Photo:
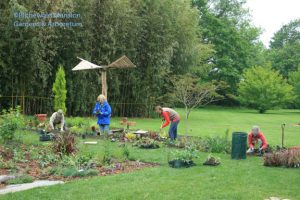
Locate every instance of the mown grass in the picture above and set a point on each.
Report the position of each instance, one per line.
(215, 121)
(233, 179)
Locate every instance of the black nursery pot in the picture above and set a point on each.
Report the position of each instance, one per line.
(45, 137)
(41, 132)
(149, 146)
(181, 164)
(83, 136)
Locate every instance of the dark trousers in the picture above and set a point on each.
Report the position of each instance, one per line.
(173, 130)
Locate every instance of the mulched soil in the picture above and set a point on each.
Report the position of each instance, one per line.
(33, 169)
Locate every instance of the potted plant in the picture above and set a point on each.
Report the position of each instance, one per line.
(147, 143)
(41, 117)
(183, 158)
(212, 161)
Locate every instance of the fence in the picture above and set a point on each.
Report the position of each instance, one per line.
(31, 105)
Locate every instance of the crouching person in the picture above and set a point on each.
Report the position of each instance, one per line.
(57, 118)
(256, 141)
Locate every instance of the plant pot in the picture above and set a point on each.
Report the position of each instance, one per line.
(124, 119)
(41, 132)
(45, 137)
(149, 146)
(83, 136)
(212, 162)
(41, 117)
(181, 163)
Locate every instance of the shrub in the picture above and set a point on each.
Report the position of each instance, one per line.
(287, 158)
(264, 89)
(11, 120)
(21, 179)
(218, 144)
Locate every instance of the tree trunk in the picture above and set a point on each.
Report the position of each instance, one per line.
(186, 121)
(187, 113)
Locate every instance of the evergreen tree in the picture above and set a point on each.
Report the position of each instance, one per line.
(60, 91)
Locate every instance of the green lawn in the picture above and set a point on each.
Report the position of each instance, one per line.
(215, 121)
(233, 179)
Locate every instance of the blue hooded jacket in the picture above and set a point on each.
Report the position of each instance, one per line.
(103, 112)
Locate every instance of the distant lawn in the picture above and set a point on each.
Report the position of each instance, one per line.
(215, 121)
(232, 180)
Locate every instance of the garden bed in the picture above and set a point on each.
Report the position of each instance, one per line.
(33, 169)
(44, 163)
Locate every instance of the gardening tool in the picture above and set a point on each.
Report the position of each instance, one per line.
(282, 134)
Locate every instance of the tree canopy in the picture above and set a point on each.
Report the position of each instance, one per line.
(211, 39)
(263, 89)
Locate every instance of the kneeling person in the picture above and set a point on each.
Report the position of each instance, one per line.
(256, 138)
(57, 118)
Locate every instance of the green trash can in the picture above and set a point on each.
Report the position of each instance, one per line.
(239, 145)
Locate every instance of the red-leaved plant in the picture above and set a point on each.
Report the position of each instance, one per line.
(64, 143)
(287, 158)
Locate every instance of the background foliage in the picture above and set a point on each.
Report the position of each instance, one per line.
(214, 40)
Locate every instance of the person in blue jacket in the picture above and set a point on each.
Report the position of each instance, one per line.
(103, 111)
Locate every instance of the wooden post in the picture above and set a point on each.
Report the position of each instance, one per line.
(104, 83)
(282, 135)
(23, 104)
